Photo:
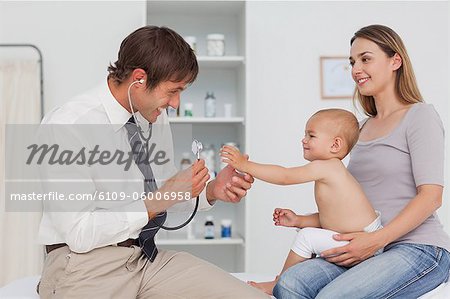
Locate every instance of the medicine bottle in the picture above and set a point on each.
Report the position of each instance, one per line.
(225, 228)
(209, 227)
(188, 109)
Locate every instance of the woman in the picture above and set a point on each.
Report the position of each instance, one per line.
(399, 161)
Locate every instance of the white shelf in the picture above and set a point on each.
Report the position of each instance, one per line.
(220, 61)
(224, 241)
(206, 120)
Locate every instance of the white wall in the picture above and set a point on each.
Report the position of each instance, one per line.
(78, 39)
(284, 42)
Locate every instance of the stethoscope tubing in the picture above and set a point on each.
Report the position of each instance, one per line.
(145, 140)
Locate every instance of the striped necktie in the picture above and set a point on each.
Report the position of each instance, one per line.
(141, 157)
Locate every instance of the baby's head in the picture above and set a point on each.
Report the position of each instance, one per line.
(330, 133)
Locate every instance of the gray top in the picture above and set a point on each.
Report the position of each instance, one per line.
(391, 167)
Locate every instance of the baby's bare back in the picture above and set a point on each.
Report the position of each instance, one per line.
(343, 206)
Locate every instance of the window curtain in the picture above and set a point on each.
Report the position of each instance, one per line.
(20, 253)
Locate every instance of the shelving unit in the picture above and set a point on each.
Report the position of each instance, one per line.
(226, 77)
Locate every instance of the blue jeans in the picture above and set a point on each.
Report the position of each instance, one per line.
(402, 271)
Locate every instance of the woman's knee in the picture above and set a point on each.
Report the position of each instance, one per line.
(289, 285)
(305, 279)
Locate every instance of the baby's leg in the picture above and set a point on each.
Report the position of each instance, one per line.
(291, 260)
(309, 241)
(267, 286)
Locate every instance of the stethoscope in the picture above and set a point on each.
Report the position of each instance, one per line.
(197, 147)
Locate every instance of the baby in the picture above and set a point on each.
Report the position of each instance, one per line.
(343, 207)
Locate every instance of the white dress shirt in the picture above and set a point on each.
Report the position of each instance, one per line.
(85, 225)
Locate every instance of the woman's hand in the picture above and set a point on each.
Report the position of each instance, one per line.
(362, 246)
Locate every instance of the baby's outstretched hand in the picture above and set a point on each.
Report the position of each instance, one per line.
(232, 156)
(284, 217)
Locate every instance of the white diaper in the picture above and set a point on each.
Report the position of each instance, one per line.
(375, 225)
(313, 240)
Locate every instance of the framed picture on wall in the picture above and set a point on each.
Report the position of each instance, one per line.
(336, 78)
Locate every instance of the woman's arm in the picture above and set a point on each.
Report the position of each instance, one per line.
(364, 245)
(273, 173)
(426, 202)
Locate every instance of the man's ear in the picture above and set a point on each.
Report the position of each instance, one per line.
(138, 75)
(396, 62)
(338, 144)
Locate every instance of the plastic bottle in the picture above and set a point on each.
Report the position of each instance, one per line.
(188, 109)
(209, 227)
(225, 228)
(210, 105)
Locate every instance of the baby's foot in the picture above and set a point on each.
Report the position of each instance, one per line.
(266, 286)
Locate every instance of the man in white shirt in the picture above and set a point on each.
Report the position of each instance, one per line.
(96, 248)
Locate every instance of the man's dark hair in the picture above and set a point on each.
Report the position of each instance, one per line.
(161, 52)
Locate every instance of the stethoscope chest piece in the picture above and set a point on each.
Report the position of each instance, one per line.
(197, 147)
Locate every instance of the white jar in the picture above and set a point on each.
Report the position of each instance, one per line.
(216, 44)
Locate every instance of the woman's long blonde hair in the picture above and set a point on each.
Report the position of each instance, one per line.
(405, 82)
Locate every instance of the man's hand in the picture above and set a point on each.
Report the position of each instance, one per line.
(232, 156)
(285, 217)
(229, 186)
(185, 185)
(362, 246)
(191, 180)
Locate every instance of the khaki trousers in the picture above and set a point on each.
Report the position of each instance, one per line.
(124, 272)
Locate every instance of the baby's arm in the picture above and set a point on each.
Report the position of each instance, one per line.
(286, 217)
(273, 173)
